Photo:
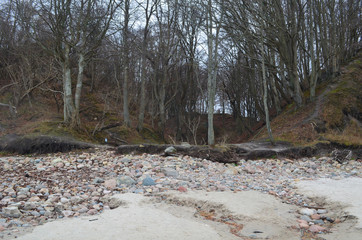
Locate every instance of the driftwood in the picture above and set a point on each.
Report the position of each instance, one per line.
(212, 154)
(235, 152)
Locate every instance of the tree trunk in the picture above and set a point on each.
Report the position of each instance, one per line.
(126, 118)
(141, 115)
(78, 90)
(161, 101)
(313, 75)
(265, 96)
(67, 88)
(211, 71)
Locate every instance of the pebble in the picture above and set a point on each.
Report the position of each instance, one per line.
(316, 229)
(303, 224)
(92, 212)
(305, 218)
(169, 172)
(114, 203)
(182, 189)
(307, 211)
(322, 211)
(320, 222)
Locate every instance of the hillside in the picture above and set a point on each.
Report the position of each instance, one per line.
(335, 116)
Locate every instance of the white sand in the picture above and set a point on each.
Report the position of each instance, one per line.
(144, 218)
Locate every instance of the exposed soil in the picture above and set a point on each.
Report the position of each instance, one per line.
(233, 153)
(40, 144)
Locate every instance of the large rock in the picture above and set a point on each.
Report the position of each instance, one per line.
(148, 182)
(11, 212)
(125, 180)
(170, 150)
(169, 172)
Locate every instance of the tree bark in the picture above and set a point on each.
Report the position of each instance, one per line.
(265, 95)
(67, 88)
(126, 117)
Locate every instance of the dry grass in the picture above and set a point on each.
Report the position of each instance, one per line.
(339, 114)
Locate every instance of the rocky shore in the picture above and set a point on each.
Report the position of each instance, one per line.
(37, 189)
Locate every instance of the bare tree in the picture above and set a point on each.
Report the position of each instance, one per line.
(213, 26)
(149, 10)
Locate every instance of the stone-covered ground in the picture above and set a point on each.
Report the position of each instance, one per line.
(37, 189)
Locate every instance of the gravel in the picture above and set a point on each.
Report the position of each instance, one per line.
(37, 189)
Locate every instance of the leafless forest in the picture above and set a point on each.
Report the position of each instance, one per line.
(162, 59)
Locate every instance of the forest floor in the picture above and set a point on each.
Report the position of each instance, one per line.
(335, 116)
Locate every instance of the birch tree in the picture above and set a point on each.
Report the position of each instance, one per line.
(149, 10)
(213, 26)
(72, 26)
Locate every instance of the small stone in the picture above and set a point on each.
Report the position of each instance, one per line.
(322, 211)
(92, 212)
(21, 197)
(110, 183)
(2, 228)
(115, 203)
(319, 222)
(35, 213)
(76, 200)
(139, 191)
(316, 229)
(305, 218)
(148, 182)
(56, 161)
(249, 169)
(307, 211)
(125, 160)
(231, 171)
(98, 180)
(80, 166)
(30, 205)
(182, 189)
(47, 213)
(34, 199)
(96, 207)
(169, 172)
(59, 207)
(83, 210)
(315, 216)
(303, 224)
(59, 165)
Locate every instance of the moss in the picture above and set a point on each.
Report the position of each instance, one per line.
(58, 129)
(222, 147)
(5, 154)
